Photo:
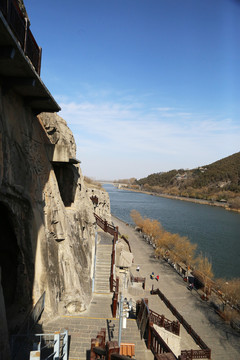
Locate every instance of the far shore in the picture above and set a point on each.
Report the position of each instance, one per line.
(182, 198)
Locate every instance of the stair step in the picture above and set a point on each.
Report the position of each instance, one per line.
(103, 271)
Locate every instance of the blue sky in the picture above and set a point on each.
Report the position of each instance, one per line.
(144, 85)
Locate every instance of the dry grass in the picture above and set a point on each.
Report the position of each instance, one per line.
(91, 183)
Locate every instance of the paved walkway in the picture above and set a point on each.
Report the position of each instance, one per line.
(219, 337)
(223, 341)
(85, 326)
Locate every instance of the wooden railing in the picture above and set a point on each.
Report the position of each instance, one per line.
(138, 279)
(205, 352)
(195, 354)
(127, 242)
(155, 318)
(156, 343)
(112, 230)
(145, 324)
(162, 321)
(115, 297)
(20, 27)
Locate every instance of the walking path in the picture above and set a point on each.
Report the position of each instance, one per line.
(85, 326)
(219, 337)
(223, 341)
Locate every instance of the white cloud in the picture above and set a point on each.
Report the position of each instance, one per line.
(144, 140)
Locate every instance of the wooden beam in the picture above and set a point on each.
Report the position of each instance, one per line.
(20, 81)
(33, 99)
(7, 52)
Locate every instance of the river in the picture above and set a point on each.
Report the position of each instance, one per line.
(215, 230)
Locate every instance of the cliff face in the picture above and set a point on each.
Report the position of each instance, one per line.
(47, 235)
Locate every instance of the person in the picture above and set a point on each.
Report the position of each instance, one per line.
(152, 276)
(138, 268)
(190, 286)
(157, 277)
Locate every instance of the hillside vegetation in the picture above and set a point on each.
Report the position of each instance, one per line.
(219, 181)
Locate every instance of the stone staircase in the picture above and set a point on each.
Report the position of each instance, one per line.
(103, 268)
(85, 326)
(82, 330)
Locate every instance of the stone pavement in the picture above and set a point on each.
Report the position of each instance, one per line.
(219, 337)
(86, 326)
(223, 341)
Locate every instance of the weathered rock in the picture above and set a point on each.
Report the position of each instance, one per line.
(58, 132)
(47, 234)
(103, 207)
(48, 231)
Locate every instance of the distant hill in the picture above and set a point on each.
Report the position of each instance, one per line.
(218, 181)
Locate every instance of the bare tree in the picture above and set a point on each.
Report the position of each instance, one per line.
(204, 267)
(137, 218)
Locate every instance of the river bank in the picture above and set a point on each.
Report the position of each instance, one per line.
(214, 230)
(219, 336)
(182, 198)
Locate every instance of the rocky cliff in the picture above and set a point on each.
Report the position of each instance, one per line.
(47, 234)
(48, 226)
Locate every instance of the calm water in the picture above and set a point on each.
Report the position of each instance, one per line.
(215, 230)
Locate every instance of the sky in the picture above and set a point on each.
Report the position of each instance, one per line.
(145, 85)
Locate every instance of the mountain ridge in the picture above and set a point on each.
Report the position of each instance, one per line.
(218, 181)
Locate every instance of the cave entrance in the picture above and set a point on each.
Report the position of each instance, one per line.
(9, 256)
(66, 174)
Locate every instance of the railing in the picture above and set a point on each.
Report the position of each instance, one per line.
(19, 340)
(105, 226)
(142, 313)
(162, 321)
(155, 318)
(145, 324)
(43, 346)
(127, 242)
(138, 279)
(50, 346)
(112, 230)
(115, 296)
(197, 354)
(155, 342)
(20, 26)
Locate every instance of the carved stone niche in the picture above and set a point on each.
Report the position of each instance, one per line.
(66, 173)
(67, 177)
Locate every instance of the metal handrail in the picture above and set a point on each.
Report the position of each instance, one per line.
(57, 343)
